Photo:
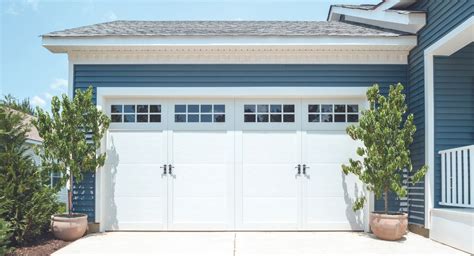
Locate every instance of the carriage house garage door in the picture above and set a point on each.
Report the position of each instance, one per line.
(230, 164)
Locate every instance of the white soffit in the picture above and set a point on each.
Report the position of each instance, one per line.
(233, 50)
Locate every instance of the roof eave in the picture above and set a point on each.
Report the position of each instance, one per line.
(66, 44)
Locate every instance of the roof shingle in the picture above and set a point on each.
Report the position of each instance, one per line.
(226, 28)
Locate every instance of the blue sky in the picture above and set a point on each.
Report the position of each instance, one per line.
(27, 70)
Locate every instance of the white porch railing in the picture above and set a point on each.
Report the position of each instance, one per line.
(457, 177)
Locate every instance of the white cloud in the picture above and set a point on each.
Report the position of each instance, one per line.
(33, 4)
(110, 16)
(12, 10)
(38, 101)
(17, 7)
(58, 84)
(48, 95)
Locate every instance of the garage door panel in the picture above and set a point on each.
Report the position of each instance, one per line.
(333, 212)
(329, 147)
(201, 187)
(200, 210)
(135, 188)
(270, 147)
(269, 210)
(269, 180)
(126, 178)
(142, 208)
(268, 189)
(328, 194)
(128, 147)
(189, 176)
(201, 147)
(329, 180)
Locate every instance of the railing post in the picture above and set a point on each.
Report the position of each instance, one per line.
(443, 177)
(465, 176)
(471, 181)
(448, 178)
(459, 176)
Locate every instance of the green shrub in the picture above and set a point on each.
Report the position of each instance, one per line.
(5, 234)
(26, 201)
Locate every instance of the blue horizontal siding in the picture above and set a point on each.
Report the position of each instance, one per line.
(454, 105)
(442, 17)
(230, 76)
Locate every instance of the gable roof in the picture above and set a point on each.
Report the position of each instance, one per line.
(226, 28)
(355, 6)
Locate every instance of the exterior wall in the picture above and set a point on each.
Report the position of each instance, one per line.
(227, 75)
(453, 106)
(442, 17)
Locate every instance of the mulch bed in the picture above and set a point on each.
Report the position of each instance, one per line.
(45, 245)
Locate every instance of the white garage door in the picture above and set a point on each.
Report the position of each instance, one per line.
(328, 194)
(201, 151)
(256, 164)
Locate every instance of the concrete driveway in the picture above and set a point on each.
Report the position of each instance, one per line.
(251, 243)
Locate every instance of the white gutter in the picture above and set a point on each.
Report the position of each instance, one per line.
(65, 44)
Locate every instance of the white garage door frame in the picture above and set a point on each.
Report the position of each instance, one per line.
(106, 94)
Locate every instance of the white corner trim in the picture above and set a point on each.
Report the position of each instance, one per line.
(70, 84)
(458, 38)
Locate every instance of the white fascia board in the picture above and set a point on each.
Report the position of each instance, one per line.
(231, 92)
(410, 28)
(405, 18)
(65, 44)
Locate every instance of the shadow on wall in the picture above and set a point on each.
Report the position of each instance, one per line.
(110, 172)
(356, 219)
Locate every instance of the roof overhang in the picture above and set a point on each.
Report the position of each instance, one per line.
(121, 43)
(384, 15)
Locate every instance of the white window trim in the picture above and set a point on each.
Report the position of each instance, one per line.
(455, 40)
(230, 92)
(321, 126)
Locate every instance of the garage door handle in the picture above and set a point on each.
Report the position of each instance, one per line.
(164, 169)
(299, 169)
(304, 169)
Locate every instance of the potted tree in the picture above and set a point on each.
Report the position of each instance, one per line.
(387, 134)
(72, 134)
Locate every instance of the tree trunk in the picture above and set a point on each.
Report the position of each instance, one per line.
(69, 194)
(386, 199)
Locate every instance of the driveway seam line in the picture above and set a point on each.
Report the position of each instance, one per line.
(235, 242)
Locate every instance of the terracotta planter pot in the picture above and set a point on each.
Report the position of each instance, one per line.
(69, 228)
(390, 227)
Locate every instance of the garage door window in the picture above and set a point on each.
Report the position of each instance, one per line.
(131, 113)
(199, 113)
(333, 113)
(273, 113)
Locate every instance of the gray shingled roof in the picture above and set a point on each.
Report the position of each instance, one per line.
(357, 6)
(225, 28)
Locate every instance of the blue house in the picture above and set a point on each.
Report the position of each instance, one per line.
(240, 125)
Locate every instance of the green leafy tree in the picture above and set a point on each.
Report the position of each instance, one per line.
(26, 201)
(13, 103)
(5, 233)
(71, 137)
(386, 135)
